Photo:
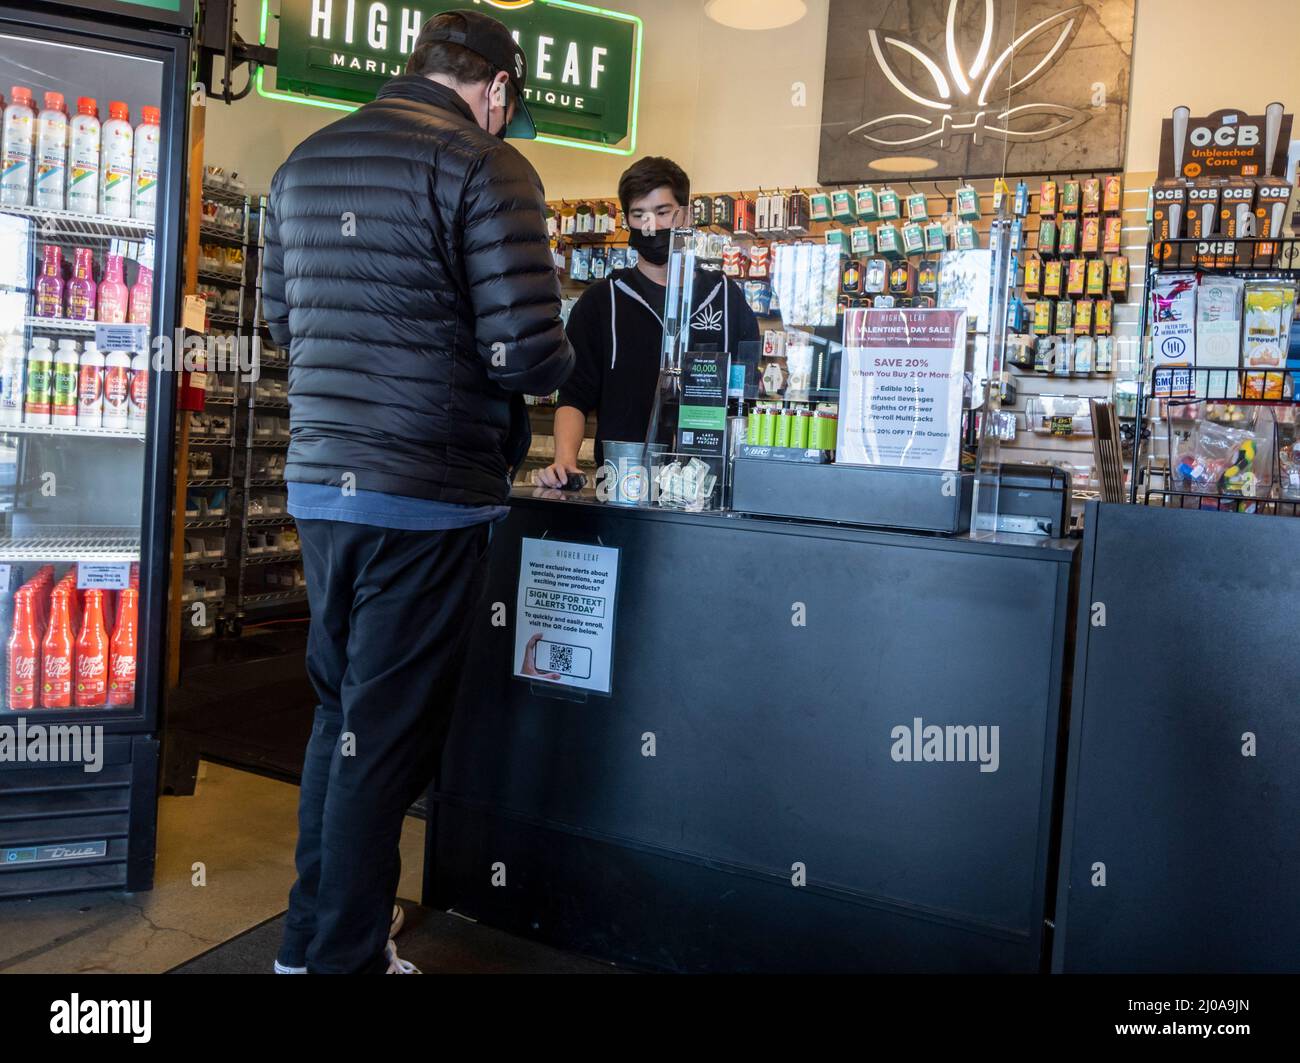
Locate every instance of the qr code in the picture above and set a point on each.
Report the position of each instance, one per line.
(561, 658)
(688, 439)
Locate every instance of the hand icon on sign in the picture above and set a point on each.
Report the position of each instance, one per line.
(529, 665)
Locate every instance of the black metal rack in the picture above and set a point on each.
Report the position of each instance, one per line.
(1260, 259)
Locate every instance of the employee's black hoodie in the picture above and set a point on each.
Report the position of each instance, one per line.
(617, 330)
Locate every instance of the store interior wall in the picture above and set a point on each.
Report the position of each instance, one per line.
(742, 108)
(705, 90)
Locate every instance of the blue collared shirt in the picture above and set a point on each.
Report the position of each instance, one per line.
(381, 510)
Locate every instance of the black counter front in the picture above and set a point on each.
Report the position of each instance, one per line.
(774, 827)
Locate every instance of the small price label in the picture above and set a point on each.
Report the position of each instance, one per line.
(1062, 426)
(121, 338)
(4, 577)
(103, 575)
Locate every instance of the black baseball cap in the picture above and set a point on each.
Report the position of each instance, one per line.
(483, 35)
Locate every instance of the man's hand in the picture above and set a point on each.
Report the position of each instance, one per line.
(556, 475)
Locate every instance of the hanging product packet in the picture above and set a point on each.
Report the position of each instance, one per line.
(1218, 332)
(1269, 308)
(1173, 330)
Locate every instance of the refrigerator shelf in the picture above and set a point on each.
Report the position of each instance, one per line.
(55, 223)
(83, 544)
(58, 430)
(283, 443)
(263, 522)
(198, 523)
(267, 481)
(210, 441)
(217, 481)
(209, 563)
(60, 326)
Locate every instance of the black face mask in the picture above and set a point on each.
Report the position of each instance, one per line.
(654, 247)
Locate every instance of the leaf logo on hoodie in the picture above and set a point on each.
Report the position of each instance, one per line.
(707, 320)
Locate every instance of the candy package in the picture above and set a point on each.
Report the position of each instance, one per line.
(1221, 460)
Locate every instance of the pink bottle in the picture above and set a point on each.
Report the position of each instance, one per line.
(112, 292)
(81, 289)
(141, 297)
(49, 287)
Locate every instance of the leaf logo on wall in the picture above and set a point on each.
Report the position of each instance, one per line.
(957, 99)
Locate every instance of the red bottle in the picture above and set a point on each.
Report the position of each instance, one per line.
(121, 682)
(58, 651)
(92, 654)
(24, 653)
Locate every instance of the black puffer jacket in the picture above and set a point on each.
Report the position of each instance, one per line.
(408, 272)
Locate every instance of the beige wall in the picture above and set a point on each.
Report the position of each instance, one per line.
(738, 108)
(1195, 52)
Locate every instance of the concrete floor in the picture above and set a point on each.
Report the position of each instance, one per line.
(240, 827)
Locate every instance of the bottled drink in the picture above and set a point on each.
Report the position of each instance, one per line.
(82, 287)
(148, 135)
(112, 291)
(117, 389)
(121, 680)
(24, 652)
(138, 403)
(92, 653)
(57, 653)
(51, 182)
(19, 147)
(83, 158)
(141, 297)
(115, 159)
(40, 382)
(90, 388)
(63, 391)
(13, 363)
(49, 286)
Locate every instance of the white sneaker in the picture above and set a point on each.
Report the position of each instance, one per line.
(397, 965)
(399, 918)
(282, 969)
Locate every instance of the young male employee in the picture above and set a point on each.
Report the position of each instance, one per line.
(617, 327)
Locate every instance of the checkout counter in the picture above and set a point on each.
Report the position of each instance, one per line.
(738, 801)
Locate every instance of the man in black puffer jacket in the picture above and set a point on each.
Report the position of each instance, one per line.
(407, 270)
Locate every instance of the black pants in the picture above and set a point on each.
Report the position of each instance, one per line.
(390, 612)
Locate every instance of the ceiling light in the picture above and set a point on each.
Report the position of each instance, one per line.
(904, 164)
(756, 14)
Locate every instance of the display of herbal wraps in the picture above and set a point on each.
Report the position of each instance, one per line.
(1173, 331)
(1266, 332)
(1218, 332)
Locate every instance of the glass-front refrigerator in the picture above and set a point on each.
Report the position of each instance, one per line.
(91, 198)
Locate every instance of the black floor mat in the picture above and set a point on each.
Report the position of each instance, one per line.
(436, 942)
